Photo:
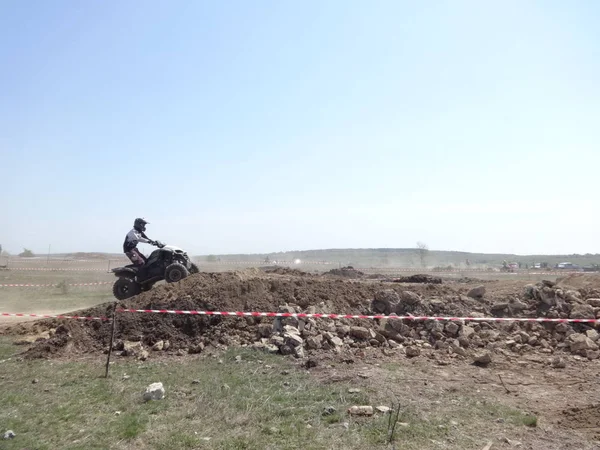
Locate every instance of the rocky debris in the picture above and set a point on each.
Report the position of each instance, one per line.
(383, 409)
(135, 349)
(360, 333)
(595, 302)
(482, 359)
(354, 391)
(10, 434)
(155, 391)
(360, 411)
(477, 292)
(593, 335)
(158, 346)
(410, 298)
(421, 278)
(329, 410)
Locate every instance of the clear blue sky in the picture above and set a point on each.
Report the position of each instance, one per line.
(259, 126)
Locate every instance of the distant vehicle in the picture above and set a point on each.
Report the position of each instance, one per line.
(567, 266)
(537, 266)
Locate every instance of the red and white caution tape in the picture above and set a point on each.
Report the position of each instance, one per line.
(52, 316)
(358, 316)
(56, 285)
(59, 269)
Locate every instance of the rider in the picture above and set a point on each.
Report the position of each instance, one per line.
(135, 236)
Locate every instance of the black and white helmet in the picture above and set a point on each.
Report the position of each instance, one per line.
(140, 224)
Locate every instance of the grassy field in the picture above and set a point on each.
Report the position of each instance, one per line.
(239, 400)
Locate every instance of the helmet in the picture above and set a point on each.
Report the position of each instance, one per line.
(140, 224)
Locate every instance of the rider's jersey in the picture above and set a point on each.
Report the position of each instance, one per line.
(133, 238)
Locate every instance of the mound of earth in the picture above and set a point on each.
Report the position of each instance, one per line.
(419, 278)
(346, 272)
(278, 270)
(250, 292)
(580, 281)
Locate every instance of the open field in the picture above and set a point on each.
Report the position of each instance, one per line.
(223, 391)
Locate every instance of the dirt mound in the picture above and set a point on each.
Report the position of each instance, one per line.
(259, 292)
(420, 278)
(586, 419)
(580, 281)
(278, 270)
(346, 272)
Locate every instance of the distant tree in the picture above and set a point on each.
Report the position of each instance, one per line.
(423, 253)
(211, 258)
(26, 253)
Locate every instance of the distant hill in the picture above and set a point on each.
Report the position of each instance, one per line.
(406, 257)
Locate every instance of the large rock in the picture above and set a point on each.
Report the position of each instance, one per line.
(335, 341)
(477, 292)
(467, 331)
(483, 359)
(293, 340)
(158, 346)
(410, 298)
(314, 342)
(452, 328)
(155, 391)
(582, 312)
(593, 335)
(580, 343)
(360, 332)
(385, 302)
(595, 302)
(360, 411)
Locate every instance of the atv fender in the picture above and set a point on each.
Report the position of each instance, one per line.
(124, 272)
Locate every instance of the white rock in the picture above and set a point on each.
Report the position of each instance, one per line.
(10, 434)
(360, 410)
(155, 391)
(383, 409)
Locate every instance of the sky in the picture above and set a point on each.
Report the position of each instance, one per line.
(264, 126)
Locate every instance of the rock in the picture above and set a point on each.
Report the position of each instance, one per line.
(195, 349)
(467, 331)
(158, 346)
(265, 330)
(558, 363)
(35, 381)
(547, 296)
(10, 434)
(360, 332)
(582, 312)
(293, 340)
(353, 391)
(385, 302)
(277, 341)
(343, 330)
(477, 292)
(562, 327)
(458, 350)
(360, 410)
(314, 342)
(383, 409)
(143, 356)
(155, 391)
(132, 349)
(412, 351)
(291, 330)
(299, 352)
(593, 335)
(452, 328)
(581, 343)
(180, 352)
(166, 345)
(329, 410)
(195, 381)
(592, 354)
(595, 302)
(483, 359)
(410, 298)
(393, 344)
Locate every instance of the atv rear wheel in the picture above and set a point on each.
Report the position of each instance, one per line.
(125, 288)
(175, 272)
(194, 268)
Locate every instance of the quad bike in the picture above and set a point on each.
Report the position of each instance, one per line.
(167, 263)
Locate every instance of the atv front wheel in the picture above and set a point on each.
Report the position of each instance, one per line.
(125, 288)
(175, 272)
(194, 268)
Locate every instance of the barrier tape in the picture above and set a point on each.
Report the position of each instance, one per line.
(51, 269)
(52, 316)
(55, 285)
(358, 316)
